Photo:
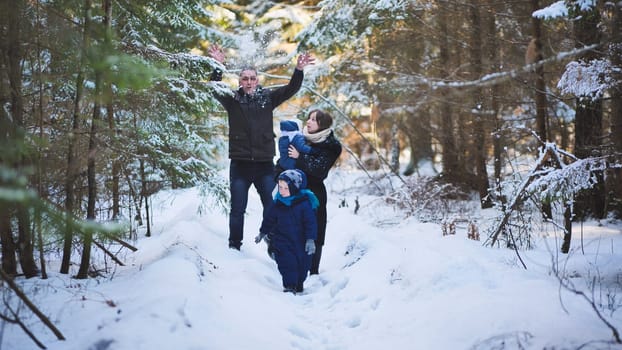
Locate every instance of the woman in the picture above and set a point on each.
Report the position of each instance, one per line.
(320, 136)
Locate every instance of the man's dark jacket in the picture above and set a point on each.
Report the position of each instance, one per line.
(251, 132)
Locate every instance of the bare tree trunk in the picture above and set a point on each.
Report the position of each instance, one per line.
(565, 248)
(419, 139)
(7, 137)
(25, 240)
(615, 55)
(479, 111)
(588, 120)
(411, 167)
(40, 171)
(463, 125)
(564, 133)
(148, 215)
(92, 187)
(534, 54)
(72, 161)
(25, 243)
(143, 194)
(116, 166)
(108, 95)
(39, 229)
(492, 49)
(72, 169)
(588, 135)
(91, 180)
(448, 143)
(136, 195)
(395, 148)
(38, 226)
(9, 262)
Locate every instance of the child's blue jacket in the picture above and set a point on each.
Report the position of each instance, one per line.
(289, 223)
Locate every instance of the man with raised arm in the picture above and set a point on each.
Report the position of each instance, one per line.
(251, 137)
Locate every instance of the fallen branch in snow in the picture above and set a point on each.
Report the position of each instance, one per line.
(519, 197)
(21, 325)
(567, 284)
(46, 321)
(123, 243)
(109, 253)
(553, 180)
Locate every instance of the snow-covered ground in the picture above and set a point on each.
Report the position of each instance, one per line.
(386, 282)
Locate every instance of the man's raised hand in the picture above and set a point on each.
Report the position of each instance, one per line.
(215, 52)
(304, 60)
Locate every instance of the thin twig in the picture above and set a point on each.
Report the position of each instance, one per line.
(109, 253)
(25, 329)
(516, 250)
(566, 285)
(380, 157)
(358, 161)
(30, 304)
(614, 331)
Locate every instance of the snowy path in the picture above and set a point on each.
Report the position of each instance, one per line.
(400, 286)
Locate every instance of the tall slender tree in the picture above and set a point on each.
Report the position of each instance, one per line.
(72, 163)
(615, 56)
(91, 157)
(450, 161)
(9, 143)
(533, 55)
(589, 111)
(491, 48)
(25, 241)
(479, 108)
(108, 95)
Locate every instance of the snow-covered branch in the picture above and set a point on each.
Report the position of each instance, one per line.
(564, 183)
(175, 60)
(497, 78)
(551, 179)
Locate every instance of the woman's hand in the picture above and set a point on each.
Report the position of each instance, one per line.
(292, 152)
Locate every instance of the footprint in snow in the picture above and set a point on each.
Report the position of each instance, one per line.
(271, 280)
(298, 332)
(338, 287)
(374, 305)
(323, 280)
(354, 322)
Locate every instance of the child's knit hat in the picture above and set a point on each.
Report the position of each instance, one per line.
(289, 125)
(296, 180)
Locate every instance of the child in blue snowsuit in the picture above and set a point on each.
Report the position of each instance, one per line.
(290, 229)
(290, 134)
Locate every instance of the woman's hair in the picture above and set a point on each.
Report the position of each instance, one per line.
(324, 120)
